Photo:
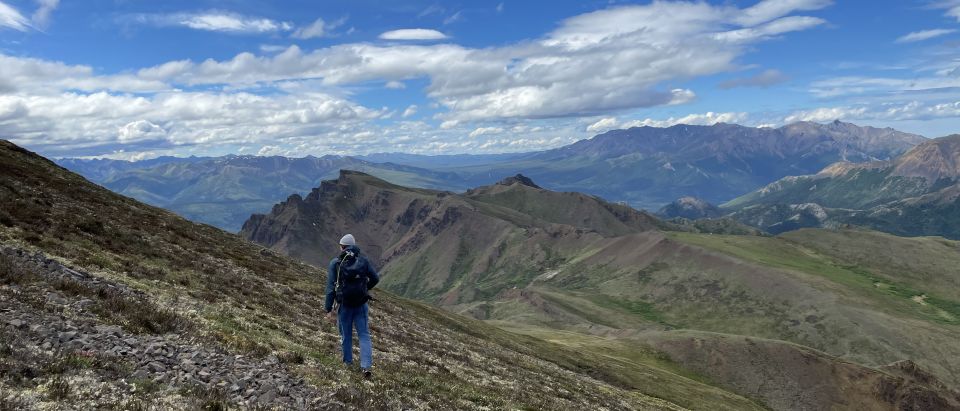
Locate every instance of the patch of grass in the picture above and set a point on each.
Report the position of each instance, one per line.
(208, 399)
(59, 388)
(145, 385)
(11, 273)
(641, 309)
(64, 362)
(291, 357)
(136, 316)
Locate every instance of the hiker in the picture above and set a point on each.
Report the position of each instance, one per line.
(349, 280)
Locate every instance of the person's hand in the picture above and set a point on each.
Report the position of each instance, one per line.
(332, 317)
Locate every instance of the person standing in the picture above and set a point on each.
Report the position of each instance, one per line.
(350, 277)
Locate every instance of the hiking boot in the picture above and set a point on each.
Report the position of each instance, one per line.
(367, 373)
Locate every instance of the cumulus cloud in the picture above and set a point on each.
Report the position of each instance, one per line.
(924, 35)
(704, 119)
(140, 130)
(413, 34)
(219, 21)
(11, 18)
(73, 121)
(763, 79)
(604, 124)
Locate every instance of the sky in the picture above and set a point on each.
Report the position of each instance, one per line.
(136, 79)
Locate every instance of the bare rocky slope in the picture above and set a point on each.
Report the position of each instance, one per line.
(575, 270)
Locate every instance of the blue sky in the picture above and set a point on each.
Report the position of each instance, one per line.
(138, 79)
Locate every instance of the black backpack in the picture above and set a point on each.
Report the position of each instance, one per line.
(351, 288)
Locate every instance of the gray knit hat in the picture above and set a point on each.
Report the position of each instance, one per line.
(348, 240)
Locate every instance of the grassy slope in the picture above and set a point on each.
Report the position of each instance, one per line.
(884, 312)
(255, 301)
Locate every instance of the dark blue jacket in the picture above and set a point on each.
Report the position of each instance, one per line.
(372, 277)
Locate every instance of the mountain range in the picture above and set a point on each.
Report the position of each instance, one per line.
(806, 320)
(914, 194)
(224, 191)
(645, 167)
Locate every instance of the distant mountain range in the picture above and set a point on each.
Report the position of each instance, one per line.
(915, 194)
(750, 312)
(224, 191)
(645, 167)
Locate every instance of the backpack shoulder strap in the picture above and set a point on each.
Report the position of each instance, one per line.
(343, 257)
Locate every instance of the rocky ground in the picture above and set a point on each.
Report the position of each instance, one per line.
(60, 353)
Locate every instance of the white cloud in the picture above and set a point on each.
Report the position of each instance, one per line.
(395, 85)
(898, 111)
(98, 121)
(318, 28)
(41, 17)
(140, 130)
(42, 77)
(219, 21)
(270, 151)
(410, 111)
(825, 114)
(768, 10)
(11, 18)
(413, 34)
(485, 130)
(704, 119)
(924, 35)
(602, 125)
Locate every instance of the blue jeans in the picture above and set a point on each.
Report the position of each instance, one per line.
(350, 317)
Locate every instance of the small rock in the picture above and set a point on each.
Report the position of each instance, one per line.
(107, 329)
(18, 324)
(267, 396)
(140, 374)
(156, 367)
(66, 336)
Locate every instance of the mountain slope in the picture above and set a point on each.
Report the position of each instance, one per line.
(914, 194)
(99, 290)
(511, 254)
